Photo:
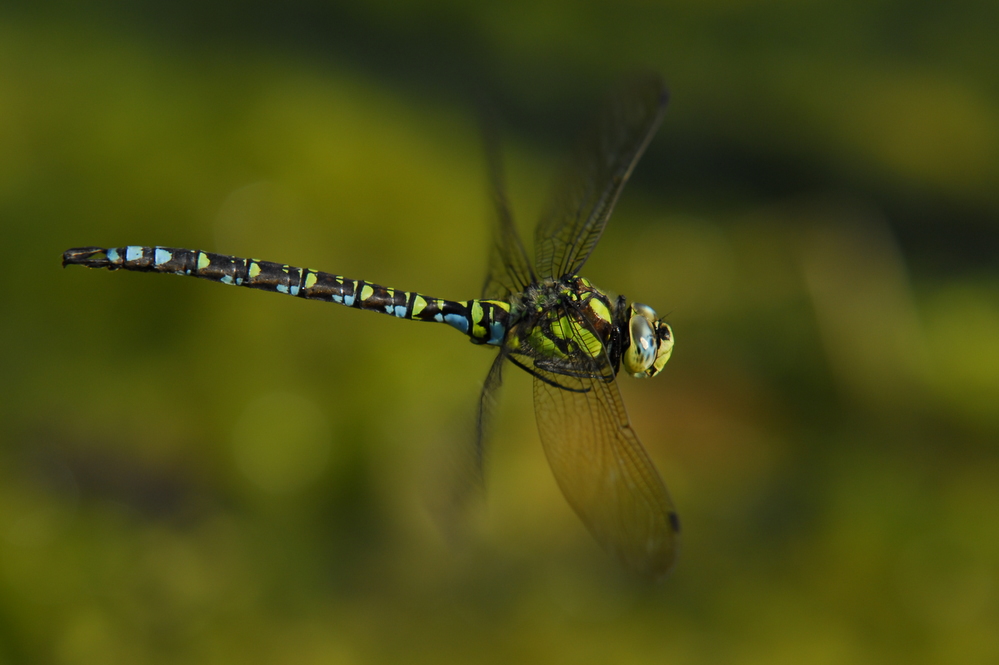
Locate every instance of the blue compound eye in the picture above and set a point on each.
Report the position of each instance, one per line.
(641, 353)
(651, 342)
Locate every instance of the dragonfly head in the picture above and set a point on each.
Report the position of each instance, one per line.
(651, 342)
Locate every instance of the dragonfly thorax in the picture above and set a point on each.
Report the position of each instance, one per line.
(566, 321)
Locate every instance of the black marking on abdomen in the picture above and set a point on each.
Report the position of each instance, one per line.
(282, 278)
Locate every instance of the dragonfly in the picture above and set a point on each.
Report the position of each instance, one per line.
(541, 316)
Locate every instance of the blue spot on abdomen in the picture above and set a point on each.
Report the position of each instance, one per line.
(457, 321)
(496, 332)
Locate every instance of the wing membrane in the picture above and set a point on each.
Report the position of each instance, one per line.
(598, 169)
(487, 406)
(605, 473)
(600, 465)
(509, 268)
(463, 485)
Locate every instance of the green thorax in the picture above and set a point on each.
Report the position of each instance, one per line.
(567, 320)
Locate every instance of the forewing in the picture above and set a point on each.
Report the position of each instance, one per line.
(592, 181)
(602, 468)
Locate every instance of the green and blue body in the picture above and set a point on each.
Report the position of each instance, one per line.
(542, 317)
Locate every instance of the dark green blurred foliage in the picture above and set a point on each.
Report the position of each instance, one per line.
(190, 473)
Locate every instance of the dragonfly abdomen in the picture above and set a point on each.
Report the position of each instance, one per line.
(484, 321)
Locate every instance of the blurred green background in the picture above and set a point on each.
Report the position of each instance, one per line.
(196, 474)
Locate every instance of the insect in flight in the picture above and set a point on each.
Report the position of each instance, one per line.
(543, 317)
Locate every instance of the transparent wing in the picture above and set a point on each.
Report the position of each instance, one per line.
(509, 268)
(484, 417)
(601, 466)
(462, 484)
(599, 168)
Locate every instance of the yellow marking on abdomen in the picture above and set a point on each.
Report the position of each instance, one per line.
(478, 330)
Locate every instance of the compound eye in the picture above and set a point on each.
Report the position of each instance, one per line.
(644, 310)
(644, 345)
(665, 347)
